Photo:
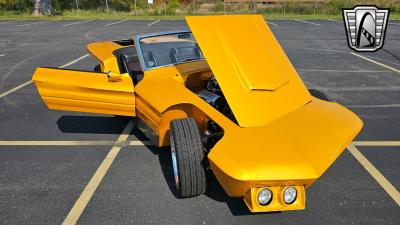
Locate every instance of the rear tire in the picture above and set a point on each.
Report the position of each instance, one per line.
(187, 158)
(318, 94)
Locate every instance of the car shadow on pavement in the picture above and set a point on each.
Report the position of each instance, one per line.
(96, 125)
(116, 124)
(216, 192)
(214, 189)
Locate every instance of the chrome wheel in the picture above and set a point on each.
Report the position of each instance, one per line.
(174, 161)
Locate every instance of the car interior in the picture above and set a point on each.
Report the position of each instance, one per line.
(155, 55)
(167, 53)
(128, 62)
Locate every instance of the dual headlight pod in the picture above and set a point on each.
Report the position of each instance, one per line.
(265, 195)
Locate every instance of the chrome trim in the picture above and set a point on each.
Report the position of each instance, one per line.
(174, 161)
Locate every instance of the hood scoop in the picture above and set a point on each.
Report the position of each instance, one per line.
(251, 78)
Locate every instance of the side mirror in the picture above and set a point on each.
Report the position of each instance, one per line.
(114, 77)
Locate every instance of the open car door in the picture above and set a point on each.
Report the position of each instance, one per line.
(84, 91)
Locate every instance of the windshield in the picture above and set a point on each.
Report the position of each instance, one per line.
(169, 49)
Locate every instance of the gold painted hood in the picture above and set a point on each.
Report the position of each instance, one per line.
(255, 75)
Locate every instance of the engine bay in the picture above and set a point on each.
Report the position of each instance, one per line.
(212, 94)
(208, 89)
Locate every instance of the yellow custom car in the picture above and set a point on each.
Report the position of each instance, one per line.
(225, 98)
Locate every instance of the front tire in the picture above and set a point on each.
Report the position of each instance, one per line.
(187, 158)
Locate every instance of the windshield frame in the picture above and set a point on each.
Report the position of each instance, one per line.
(138, 46)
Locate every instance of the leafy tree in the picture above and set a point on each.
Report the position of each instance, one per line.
(42, 7)
(172, 5)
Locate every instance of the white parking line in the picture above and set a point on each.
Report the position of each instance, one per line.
(344, 71)
(12, 21)
(69, 24)
(121, 21)
(139, 143)
(143, 143)
(101, 171)
(74, 61)
(316, 24)
(376, 143)
(153, 23)
(378, 63)
(16, 88)
(359, 88)
(272, 23)
(382, 181)
(318, 49)
(48, 21)
(30, 81)
(72, 143)
(8, 22)
(384, 60)
(2, 55)
(374, 106)
(94, 182)
(54, 143)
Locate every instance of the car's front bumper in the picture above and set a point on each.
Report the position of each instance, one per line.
(277, 203)
(248, 190)
(292, 151)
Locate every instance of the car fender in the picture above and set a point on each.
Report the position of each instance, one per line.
(178, 111)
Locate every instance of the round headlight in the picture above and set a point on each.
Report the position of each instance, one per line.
(264, 196)
(289, 195)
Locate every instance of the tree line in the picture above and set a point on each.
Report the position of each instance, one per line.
(58, 6)
(185, 7)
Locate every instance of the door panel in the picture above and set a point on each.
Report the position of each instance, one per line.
(84, 91)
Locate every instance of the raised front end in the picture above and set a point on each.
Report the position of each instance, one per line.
(284, 139)
(286, 155)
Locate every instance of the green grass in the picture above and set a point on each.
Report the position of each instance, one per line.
(82, 15)
(73, 15)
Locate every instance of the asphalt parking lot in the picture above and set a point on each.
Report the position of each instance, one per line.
(50, 160)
